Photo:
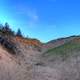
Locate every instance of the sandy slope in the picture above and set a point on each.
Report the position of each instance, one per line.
(11, 69)
(23, 66)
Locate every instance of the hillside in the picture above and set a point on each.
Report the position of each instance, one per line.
(61, 62)
(24, 58)
(16, 60)
(65, 49)
(58, 42)
(11, 68)
(65, 59)
(17, 55)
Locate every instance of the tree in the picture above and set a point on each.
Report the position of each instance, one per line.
(6, 27)
(1, 26)
(19, 33)
(7, 30)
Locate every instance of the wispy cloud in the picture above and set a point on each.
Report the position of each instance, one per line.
(33, 16)
(29, 13)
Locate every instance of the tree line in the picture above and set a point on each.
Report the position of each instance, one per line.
(6, 30)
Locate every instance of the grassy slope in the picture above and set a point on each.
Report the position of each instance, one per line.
(64, 50)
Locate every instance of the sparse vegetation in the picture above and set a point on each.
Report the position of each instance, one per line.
(60, 61)
(64, 50)
(9, 39)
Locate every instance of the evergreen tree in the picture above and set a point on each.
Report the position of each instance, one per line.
(1, 26)
(7, 27)
(6, 30)
(19, 33)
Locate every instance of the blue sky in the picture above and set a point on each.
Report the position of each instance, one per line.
(42, 19)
